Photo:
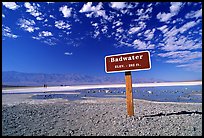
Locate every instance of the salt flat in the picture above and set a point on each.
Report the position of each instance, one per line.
(81, 87)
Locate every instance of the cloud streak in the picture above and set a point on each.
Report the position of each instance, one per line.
(66, 11)
(10, 5)
(174, 10)
(28, 25)
(68, 53)
(6, 31)
(95, 11)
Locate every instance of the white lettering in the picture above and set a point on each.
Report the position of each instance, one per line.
(121, 58)
(119, 66)
(112, 60)
(136, 57)
(133, 58)
(124, 58)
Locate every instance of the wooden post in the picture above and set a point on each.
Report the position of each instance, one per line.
(129, 97)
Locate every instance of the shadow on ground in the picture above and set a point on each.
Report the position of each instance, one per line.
(178, 113)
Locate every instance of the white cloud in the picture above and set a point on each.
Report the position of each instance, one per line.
(44, 39)
(95, 10)
(141, 26)
(49, 42)
(50, 2)
(6, 31)
(32, 9)
(10, 5)
(175, 38)
(139, 34)
(94, 24)
(104, 29)
(193, 66)
(3, 16)
(187, 26)
(142, 45)
(144, 17)
(89, 15)
(76, 18)
(181, 56)
(163, 17)
(163, 28)
(36, 38)
(149, 34)
(117, 23)
(66, 11)
(29, 7)
(124, 11)
(176, 61)
(134, 30)
(175, 7)
(124, 43)
(96, 33)
(194, 14)
(27, 25)
(62, 25)
(144, 14)
(10, 35)
(174, 54)
(120, 30)
(101, 13)
(45, 33)
(51, 16)
(39, 18)
(171, 33)
(181, 43)
(179, 21)
(68, 53)
(174, 10)
(139, 11)
(6, 28)
(118, 5)
(87, 7)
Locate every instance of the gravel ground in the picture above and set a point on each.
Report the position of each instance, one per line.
(101, 116)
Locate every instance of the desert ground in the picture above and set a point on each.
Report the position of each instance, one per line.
(24, 115)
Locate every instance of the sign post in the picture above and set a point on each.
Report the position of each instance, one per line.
(128, 62)
(129, 97)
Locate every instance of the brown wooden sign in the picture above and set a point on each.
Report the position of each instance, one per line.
(128, 62)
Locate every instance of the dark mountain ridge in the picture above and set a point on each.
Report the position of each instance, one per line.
(14, 78)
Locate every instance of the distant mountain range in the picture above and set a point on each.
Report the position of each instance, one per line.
(14, 78)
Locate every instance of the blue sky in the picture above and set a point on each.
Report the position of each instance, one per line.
(75, 37)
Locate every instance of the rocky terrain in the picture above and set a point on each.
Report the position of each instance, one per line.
(101, 116)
